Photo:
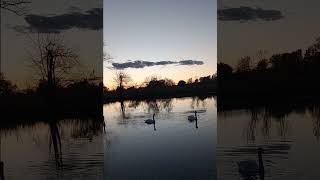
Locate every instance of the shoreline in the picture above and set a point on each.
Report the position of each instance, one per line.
(144, 98)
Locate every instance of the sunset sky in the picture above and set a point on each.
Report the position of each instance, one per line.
(297, 28)
(173, 39)
(70, 19)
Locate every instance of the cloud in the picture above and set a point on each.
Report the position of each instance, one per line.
(91, 20)
(190, 62)
(142, 64)
(244, 13)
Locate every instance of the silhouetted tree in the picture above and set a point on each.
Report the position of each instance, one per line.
(121, 79)
(6, 87)
(262, 65)
(224, 70)
(314, 49)
(52, 59)
(262, 61)
(244, 64)
(287, 62)
(205, 79)
(182, 83)
(169, 82)
(312, 56)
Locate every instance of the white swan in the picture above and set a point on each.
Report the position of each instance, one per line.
(150, 121)
(193, 117)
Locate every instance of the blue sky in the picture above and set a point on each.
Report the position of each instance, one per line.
(160, 30)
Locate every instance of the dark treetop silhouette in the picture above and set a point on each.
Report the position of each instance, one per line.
(155, 88)
(293, 74)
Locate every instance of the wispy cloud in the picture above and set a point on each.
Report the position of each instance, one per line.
(91, 20)
(244, 13)
(142, 64)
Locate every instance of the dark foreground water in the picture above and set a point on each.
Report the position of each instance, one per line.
(288, 136)
(69, 149)
(174, 148)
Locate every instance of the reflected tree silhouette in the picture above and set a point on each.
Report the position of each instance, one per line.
(123, 110)
(265, 117)
(88, 128)
(197, 102)
(283, 127)
(156, 106)
(266, 125)
(315, 113)
(279, 113)
(252, 125)
(55, 141)
(167, 105)
(134, 104)
(153, 106)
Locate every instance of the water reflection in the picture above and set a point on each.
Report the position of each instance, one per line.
(288, 136)
(172, 149)
(56, 142)
(68, 148)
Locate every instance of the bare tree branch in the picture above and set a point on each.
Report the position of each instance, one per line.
(121, 79)
(51, 59)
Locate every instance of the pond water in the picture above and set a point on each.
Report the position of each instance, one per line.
(288, 136)
(172, 148)
(66, 149)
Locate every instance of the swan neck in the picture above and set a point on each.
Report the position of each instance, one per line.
(261, 167)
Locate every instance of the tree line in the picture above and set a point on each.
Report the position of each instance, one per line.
(155, 87)
(290, 73)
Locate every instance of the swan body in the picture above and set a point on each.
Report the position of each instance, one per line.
(193, 117)
(248, 168)
(252, 168)
(150, 121)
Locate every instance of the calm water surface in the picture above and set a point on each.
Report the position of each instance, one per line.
(173, 148)
(68, 149)
(288, 136)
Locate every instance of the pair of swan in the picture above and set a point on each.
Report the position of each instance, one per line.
(190, 118)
